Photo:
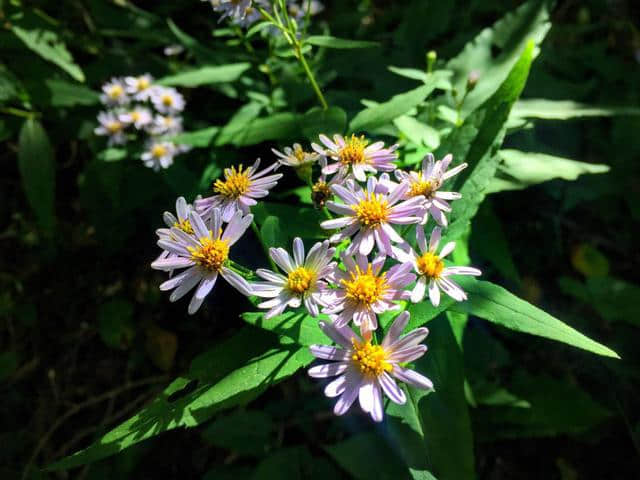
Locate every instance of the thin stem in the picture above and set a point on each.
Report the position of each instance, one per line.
(19, 113)
(309, 73)
(241, 270)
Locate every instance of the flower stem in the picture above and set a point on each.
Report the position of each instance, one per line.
(309, 73)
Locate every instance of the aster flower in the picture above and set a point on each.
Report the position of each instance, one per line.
(365, 370)
(166, 100)
(427, 182)
(139, 87)
(355, 155)
(205, 255)
(364, 291)
(431, 270)
(369, 213)
(238, 190)
(304, 281)
(251, 16)
(159, 155)
(114, 93)
(139, 117)
(112, 127)
(296, 157)
(321, 190)
(235, 9)
(165, 125)
(180, 220)
(298, 10)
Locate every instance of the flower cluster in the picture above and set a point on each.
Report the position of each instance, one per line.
(135, 105)
(374, 272)
(245, 13)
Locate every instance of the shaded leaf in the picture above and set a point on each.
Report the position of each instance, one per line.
(317, 121)
(565, 109)
(206, 75)
(197, 138)
(67, 94)
(334, 42)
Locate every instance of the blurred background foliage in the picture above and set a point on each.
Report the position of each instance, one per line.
(87, 339)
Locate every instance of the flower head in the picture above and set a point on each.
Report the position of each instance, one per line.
(427, 183)
(321, 190)
(370, 213)
(139, 87)
(165, 125)
(365, 370)
(166, 100)
(234, 9)
(159, 155)
(304, 281)
(239, 189)
(296, 157)
(431, 270)
(204, 254)
(114, 93)
(180, 221)
(355, 156)
(364, 291)
(112, 127)
(139, 117)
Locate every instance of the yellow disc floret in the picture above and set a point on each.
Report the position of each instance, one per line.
(370, 359)
(158, 150)
(372, 210)
(142, 83)
(300, 280)
(365, 287)
(115, 91)
(430, 265)
(422, 187)
(114, 127)
(211, 254)
(167, 100)
(353, 150)
(184, 225)
(236, 183)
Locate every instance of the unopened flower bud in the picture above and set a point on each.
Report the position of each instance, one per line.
(432, 56)
(472, 80)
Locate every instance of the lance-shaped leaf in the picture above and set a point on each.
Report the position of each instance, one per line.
(206, 75)
(342, 43)
(565, 109)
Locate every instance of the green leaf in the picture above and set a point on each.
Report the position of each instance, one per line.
(307, 219)
(115, 323)
(565, 109)
(440, 79)
(383, 113)
(197, 138)
(333, 42)
(519, 170)
(298, 326)
(246, 432)
(202, 53)
(489, 120)
(67, 94)
(112, 155)
(275, 127)
(510, 34)
(497, 305)
(272, 234)
(206, 75)
(37, 169)
(433, 429)
(317, 121)
(238, 123)
(47, 44)
(418, 132)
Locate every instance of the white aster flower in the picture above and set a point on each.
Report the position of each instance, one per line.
(431, 270)
(114, 93)
(112, 127)
(205, 255)
(235, 9)
(365, 370)
(139, 87)
(139, 117)
(296, 157)
(239, 190)
(355, 156)
(180, 220)
(159, 155)
(165, 125)
(166, 100)
(427, 182)
(304, 281)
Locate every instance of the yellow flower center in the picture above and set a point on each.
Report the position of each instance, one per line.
(236, 183)
(158, 150)
(371, 210)
(353, 150)
(211, 254)
(142, 83)
(430, 265)
(370, 359)
(365, 287)
(116, 91)
(300, 280)
(167, 100)
(184, 225)
(114, 127)
(320, 193)
(168, 121)
(135, 116)
(422, 187)
(299, 153)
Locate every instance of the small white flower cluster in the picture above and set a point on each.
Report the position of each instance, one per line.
(136, 105)
(355, 290)
(245, 13)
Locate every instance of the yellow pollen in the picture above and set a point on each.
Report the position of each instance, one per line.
(143, 83)
(135, 116)
(211, 254)
(158, 150)
(422, 187)
(184, 225)
(353, 150)
(114, 127)
(365, 287)
(300, 280)
(370, 359)
(167, 100)
(430, 265)
(236, 183)
(116, 91)
(371, 210)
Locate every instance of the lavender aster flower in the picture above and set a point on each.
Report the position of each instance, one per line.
(304, 281)
(431, 270)
(112, 127)
(365, 370)
(364, 291)
(139, 87)
(180, 221)
(159, 155)
(139, 117)
(427, 182)
(166, 100)
(355, 155)
(370, 213)
(235, 9)
(165, 125)
(204, 254)
(296, 157)
(114, 93)
(238, 190)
